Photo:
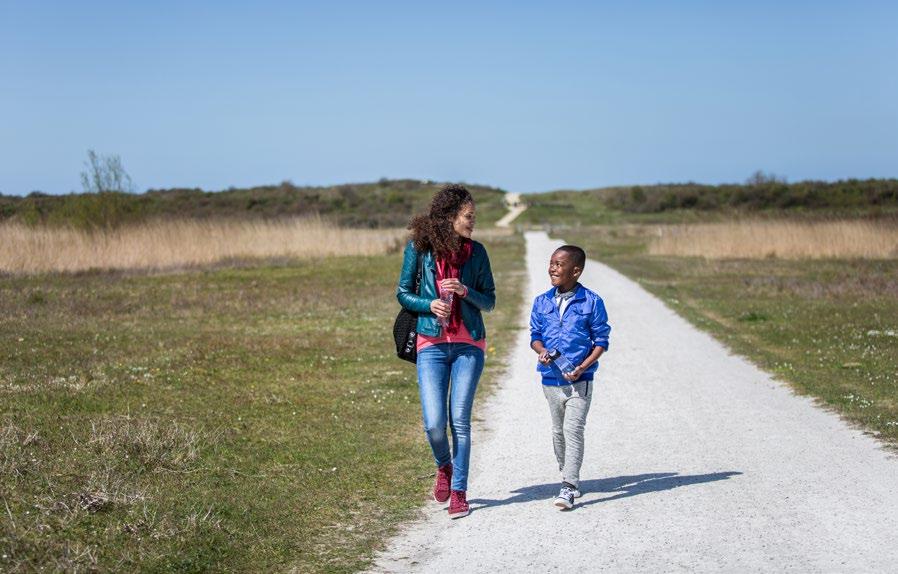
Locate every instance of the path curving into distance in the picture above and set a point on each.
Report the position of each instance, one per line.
(695, 461)
(515, 208)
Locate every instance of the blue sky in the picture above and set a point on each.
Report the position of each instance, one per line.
(527, 96)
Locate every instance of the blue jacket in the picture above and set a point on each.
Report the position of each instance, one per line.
(476, 275)
(583, 327)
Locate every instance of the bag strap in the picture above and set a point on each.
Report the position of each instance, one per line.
(420, 262)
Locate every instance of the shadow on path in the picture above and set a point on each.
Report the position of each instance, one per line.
(619, 487)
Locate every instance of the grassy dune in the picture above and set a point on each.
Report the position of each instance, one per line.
(761, 196)
(247, 419)
(385, 203)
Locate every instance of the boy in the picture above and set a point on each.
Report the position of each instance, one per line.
(571, 319)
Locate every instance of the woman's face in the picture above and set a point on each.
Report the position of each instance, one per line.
(463, 224)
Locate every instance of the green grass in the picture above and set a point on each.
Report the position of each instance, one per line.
(827, 327)
(587, 208)
(247, 419)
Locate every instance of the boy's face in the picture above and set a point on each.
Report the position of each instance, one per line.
(562, 271)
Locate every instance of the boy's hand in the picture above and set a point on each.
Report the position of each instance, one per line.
(453, 285)
(575, 374)
(544, 357)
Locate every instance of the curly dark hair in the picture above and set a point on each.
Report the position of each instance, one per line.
(433, 231)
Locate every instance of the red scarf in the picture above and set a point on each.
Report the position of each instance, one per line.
(450, 268)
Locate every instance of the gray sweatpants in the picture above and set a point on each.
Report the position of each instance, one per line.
(568, 406)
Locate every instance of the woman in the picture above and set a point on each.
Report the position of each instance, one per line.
(456, 285)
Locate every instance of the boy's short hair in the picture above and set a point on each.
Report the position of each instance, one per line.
(576, 253)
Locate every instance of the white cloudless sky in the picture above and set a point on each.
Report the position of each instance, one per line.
(526, 96)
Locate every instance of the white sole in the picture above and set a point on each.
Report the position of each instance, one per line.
(460, 514)
(563, 504)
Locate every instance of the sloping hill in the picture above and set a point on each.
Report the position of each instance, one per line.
(386, 203)
(700, 202)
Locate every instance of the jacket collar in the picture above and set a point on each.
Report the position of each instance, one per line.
(578, 296)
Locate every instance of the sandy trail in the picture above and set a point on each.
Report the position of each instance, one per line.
(515, 208)
(695, 461)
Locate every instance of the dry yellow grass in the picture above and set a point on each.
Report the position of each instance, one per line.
(171, 244)
(487, 233)
(783, 239)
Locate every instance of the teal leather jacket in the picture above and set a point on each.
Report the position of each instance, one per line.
(476, 275)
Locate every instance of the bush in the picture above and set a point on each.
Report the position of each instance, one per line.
(387, 203)
(102, 210)
(760, 192)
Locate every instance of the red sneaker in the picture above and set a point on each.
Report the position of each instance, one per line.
(458, 504)
(441, 486)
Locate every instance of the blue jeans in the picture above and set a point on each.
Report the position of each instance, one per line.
(437, 365)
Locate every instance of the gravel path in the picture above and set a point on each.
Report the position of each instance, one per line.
(695, 461)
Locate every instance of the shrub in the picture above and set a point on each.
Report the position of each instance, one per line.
(760, 192)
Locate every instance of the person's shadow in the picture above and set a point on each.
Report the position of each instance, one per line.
(618, 487)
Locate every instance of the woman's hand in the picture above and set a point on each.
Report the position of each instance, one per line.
(440, 308)
(453, 285)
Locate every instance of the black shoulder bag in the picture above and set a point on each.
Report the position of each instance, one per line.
(404, 326)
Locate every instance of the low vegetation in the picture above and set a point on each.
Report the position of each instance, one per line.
(249, 418)
(386, 203)
(761, 195)
(182, 243)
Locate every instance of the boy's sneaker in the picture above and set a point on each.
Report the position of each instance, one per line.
(441, 485)
(577, 493)
(458, 504)
(565, 498)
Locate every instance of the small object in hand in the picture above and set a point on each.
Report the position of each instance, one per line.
(563, 364)
(446, 296)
